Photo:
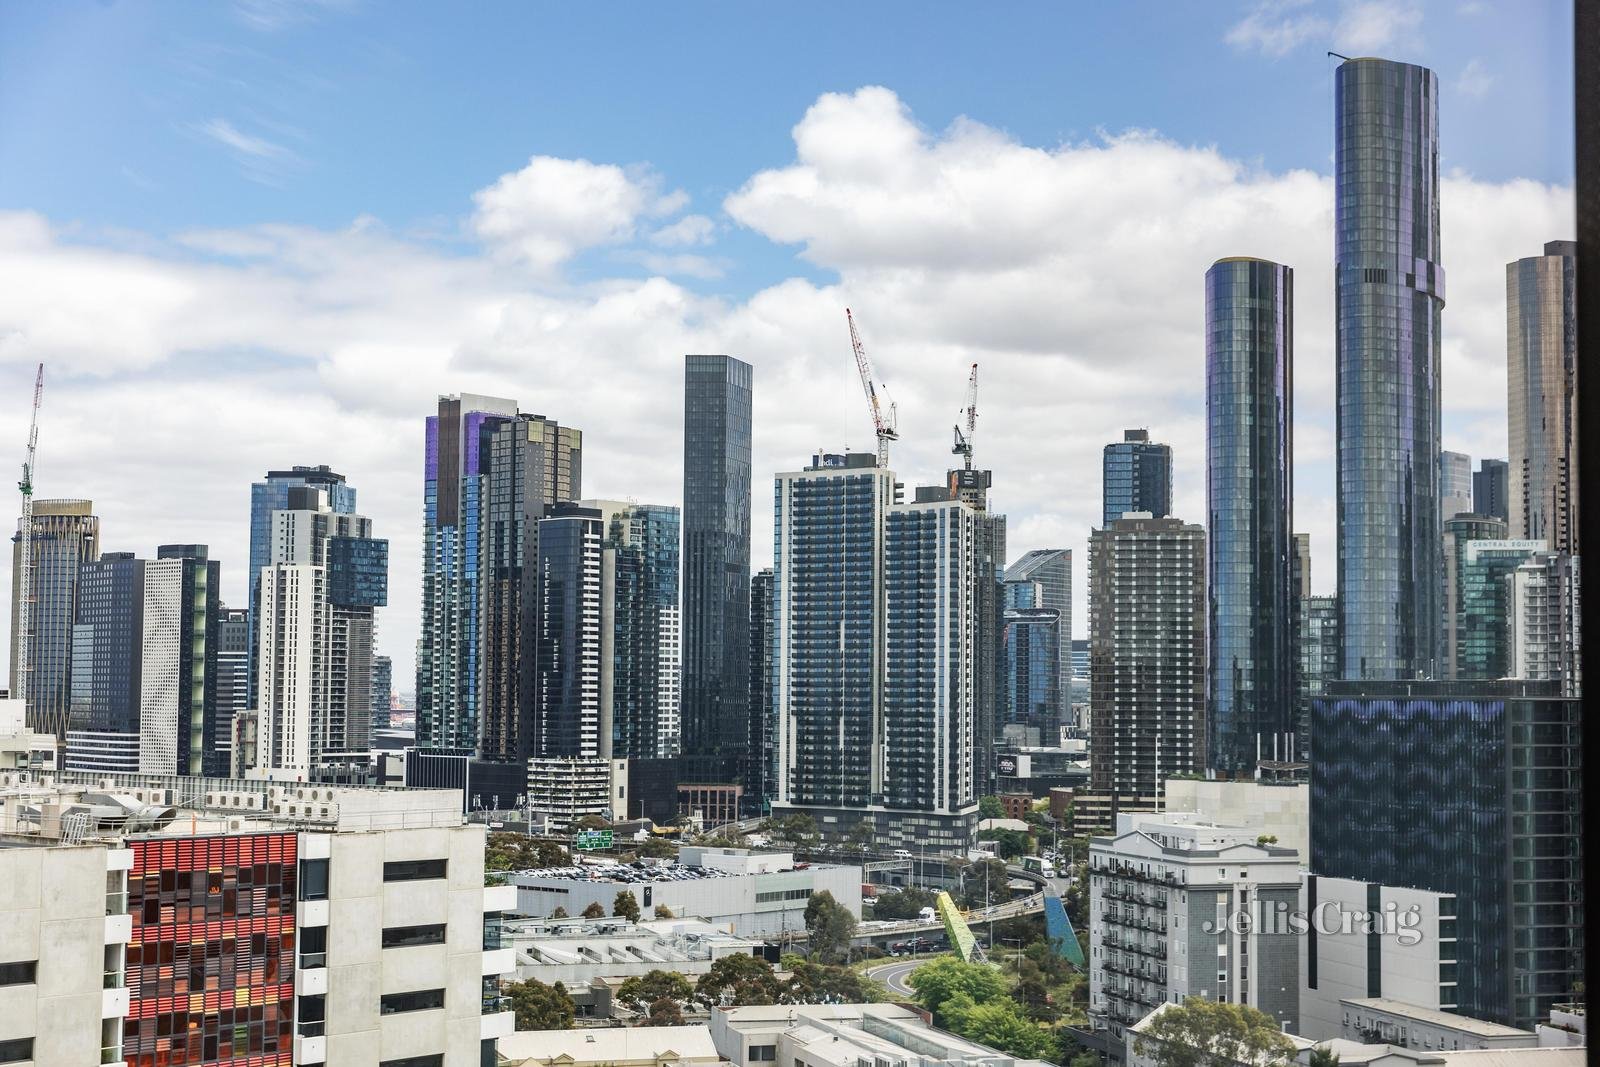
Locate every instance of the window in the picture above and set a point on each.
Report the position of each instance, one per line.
(313, 947)
(23, 972)
(16, 1050)
(413, 870)
(763, 1053)
(313, 879)
(417, 1000)
(436, 1060)
(405, 936)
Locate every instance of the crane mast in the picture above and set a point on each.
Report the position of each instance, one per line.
(25, 556)
(963, 445)
(883, 425)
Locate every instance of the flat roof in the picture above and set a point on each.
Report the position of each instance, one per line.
(1466, 1024)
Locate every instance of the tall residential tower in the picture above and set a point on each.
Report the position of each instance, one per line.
(1542, 358)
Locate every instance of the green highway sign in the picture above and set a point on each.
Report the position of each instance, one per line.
(588, 839)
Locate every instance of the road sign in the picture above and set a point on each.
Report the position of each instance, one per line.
(592, 839)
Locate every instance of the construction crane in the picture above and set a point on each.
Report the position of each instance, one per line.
(883, 426)
(25, 553)
(963, 445)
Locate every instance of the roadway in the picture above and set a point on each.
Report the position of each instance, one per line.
(894, 976)
(977, 917)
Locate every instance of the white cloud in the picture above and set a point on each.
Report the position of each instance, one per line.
(553, 208)
(181, 370)
(1276, 27)
(1475, 79)
(687, 231)
(1372, 25)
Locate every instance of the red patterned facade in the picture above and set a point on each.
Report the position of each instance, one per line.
(210, 968)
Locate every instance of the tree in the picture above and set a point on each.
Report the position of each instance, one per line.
(991, 808)
(985, 882)
(539, 1006)
(595, 910)
(904, 903)
(1009, 844)
(830, 926)
(1267, 839)
(559, 913)
(643, 992)
(860, 834)
(626, 906)
(663, 912)
(664, 1012)
(657, 848)
(1084, 1059)
(800, 828)
(589, 822)
(1206, 1033)
(815, 983)
(937, 982)
(739, 980)
(518, 852)
(1323, 1056)
(999, 1024)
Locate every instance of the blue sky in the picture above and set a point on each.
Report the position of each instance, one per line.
(245, 235)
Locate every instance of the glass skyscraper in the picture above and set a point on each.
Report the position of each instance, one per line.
(449, 647)
(1491, 489)
(1542, 357)
(573, 676)
(1250, 688)
(107, 652)
(1033, 689)
(1471, 789)
(1459, 530)
(1051, 568)
(66, 535)
(1389, 293)
(1455, 484)
(269, 495)
(1483, 619)
(1137, 476)
(716, 558)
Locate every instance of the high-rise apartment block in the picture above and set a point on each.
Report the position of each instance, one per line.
(1250, 687)
(1389, 296)
(1455, 484)
(450, 646)
(1147, 654)
(573, 673)
(1460, 531)
(875, 619)
(269, 495)
(326, 577)
(971, 487)
(1320, 655)
(529, 464)
(66, 535)
(1542, 395)
(1491, 489)
(179, 729)
(640, 546)
(382, 691)
(108, 653)
(233, 675)
(1546, 620)
(1483, 619)
(1136, 476)
(763, 710)
(1471, 789)
(718, 392)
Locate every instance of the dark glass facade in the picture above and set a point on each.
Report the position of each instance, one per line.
(1032, 665)
(267, 496)
(716, 556)
(1458, 531)
(1250, 601)
(642, 543)
(530, 463)
(106, 643)
(1051, 568)
(1389, 293)
(1471, 789)
(358, 572)
(1542, 357)
(210, 966)
(1491, 489)
(382, 691)
(66, 535)
(1137, 477)
(761, 786)
(1483, 631)
(567, 718)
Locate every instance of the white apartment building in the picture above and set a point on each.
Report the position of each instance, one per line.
(1547, 621)
(373, 941)
(1364, 940)
(1183, 907)
(1394, 1022)
(563, 789)
(843, 1035)
(20, 747)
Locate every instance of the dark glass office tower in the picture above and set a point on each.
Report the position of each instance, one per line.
(107, 652)
(1051, 568)
(1542, 357)
(1137, 477)
(763, 711)
(530, 463)
(1250, 602)
(1389, 293)
(1033, 667)
(572, 677)
(449, 647)
(716, 557)
(269, 495)
(1459, 531)
(1471, 789)
(1491, 489)
(66, 535)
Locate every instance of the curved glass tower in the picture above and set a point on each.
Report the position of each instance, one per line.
(1389, 292)
(1250, 604)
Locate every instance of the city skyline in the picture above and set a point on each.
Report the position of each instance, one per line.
(347, 386)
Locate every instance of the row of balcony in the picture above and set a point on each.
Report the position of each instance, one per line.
(1134, 895)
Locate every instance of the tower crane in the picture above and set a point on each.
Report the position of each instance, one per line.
(963, 445)
(25, 555)
(883, 426)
